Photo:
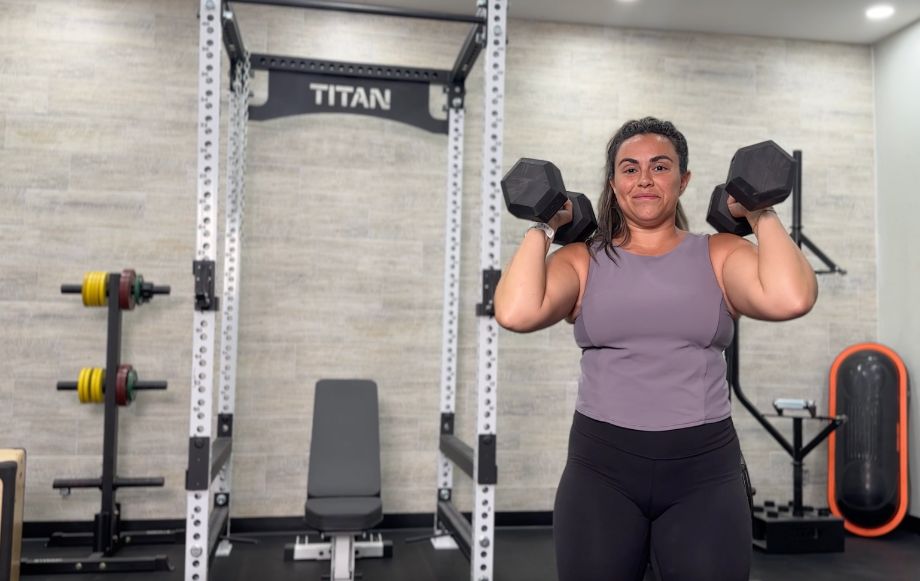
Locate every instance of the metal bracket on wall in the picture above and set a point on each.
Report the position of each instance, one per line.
(490, 277)
(798, 236)
(204, 286)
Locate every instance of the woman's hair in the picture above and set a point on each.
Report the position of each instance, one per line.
(610, 221)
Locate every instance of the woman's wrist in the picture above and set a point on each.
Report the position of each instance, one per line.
(547, 230)
(755, 216)
(546, 233)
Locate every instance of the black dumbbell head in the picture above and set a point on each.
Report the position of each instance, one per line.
(721, 219)
(583, 223)
(533, 190)
(761, 175)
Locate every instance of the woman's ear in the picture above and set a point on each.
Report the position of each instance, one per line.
(684, 180)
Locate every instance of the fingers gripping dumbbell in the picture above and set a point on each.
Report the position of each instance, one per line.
(534, 191)
(132, 290)
(761, 175)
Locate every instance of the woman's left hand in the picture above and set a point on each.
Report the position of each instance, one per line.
(738, 211)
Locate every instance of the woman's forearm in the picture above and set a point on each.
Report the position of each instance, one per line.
(522, 286)
(784, 273)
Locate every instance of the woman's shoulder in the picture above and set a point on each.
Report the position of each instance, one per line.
(574, 252)
(722, 244)
(576, 255)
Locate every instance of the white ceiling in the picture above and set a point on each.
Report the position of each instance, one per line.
(828, 20)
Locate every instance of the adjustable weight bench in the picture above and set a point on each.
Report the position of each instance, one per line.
(343, 482)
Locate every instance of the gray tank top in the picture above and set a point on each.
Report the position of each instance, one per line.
(653, 330)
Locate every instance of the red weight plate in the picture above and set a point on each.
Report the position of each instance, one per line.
(121, 384)
(125, 287)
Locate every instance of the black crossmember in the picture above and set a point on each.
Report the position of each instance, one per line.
(95, 564)
(456, 524)
(459, 452)
(304, 86)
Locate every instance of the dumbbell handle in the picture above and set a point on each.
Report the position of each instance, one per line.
(75, 289)
(72, 385)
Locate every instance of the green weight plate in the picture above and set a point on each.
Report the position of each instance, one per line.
(132, 381)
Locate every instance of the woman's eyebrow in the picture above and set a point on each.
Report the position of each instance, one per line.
(656, 158)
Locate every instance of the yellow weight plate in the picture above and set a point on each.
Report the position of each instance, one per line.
(97, 282)
(100, 389)
(84, 383)
(103, 280)
(84, 290)
(88, 386)
(92, 292)
(88, 390)
(93, 289)
(81, 384)
(97, 385)
(90, 394)
(100, 386)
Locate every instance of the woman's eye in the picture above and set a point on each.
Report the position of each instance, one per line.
(661, 167)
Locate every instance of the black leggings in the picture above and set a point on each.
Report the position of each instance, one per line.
(673, 498)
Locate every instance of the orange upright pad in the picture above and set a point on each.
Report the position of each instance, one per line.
(12, 489)
(867, 456)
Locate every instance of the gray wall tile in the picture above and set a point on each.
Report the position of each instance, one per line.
(343, 255)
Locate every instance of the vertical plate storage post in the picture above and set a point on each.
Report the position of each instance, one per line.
(203, 339)
(452, 246)
(482, 538)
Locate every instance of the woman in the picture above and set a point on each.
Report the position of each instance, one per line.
(653, 466)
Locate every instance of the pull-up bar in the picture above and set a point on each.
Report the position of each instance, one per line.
(301, 85)
(368, 9)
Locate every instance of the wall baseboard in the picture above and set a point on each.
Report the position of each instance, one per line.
(44, 529)
(910, 523)
(294, 524)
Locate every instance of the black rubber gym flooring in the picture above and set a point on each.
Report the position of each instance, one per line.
(522, 554)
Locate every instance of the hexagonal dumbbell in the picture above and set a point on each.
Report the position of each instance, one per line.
(761, 175)
(533, 190)
(721, 219)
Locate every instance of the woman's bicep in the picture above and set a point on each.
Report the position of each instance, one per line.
(743, 286)
(563, 286)
(559, 297)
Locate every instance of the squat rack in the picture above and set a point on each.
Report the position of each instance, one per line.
(298, 86)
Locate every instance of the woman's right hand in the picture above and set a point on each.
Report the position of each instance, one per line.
(562, 217)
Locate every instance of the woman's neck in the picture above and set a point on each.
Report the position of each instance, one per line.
(652, 241)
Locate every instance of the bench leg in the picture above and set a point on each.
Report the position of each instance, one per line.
(343, 558)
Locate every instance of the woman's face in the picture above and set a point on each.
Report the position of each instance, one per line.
(647, 181)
